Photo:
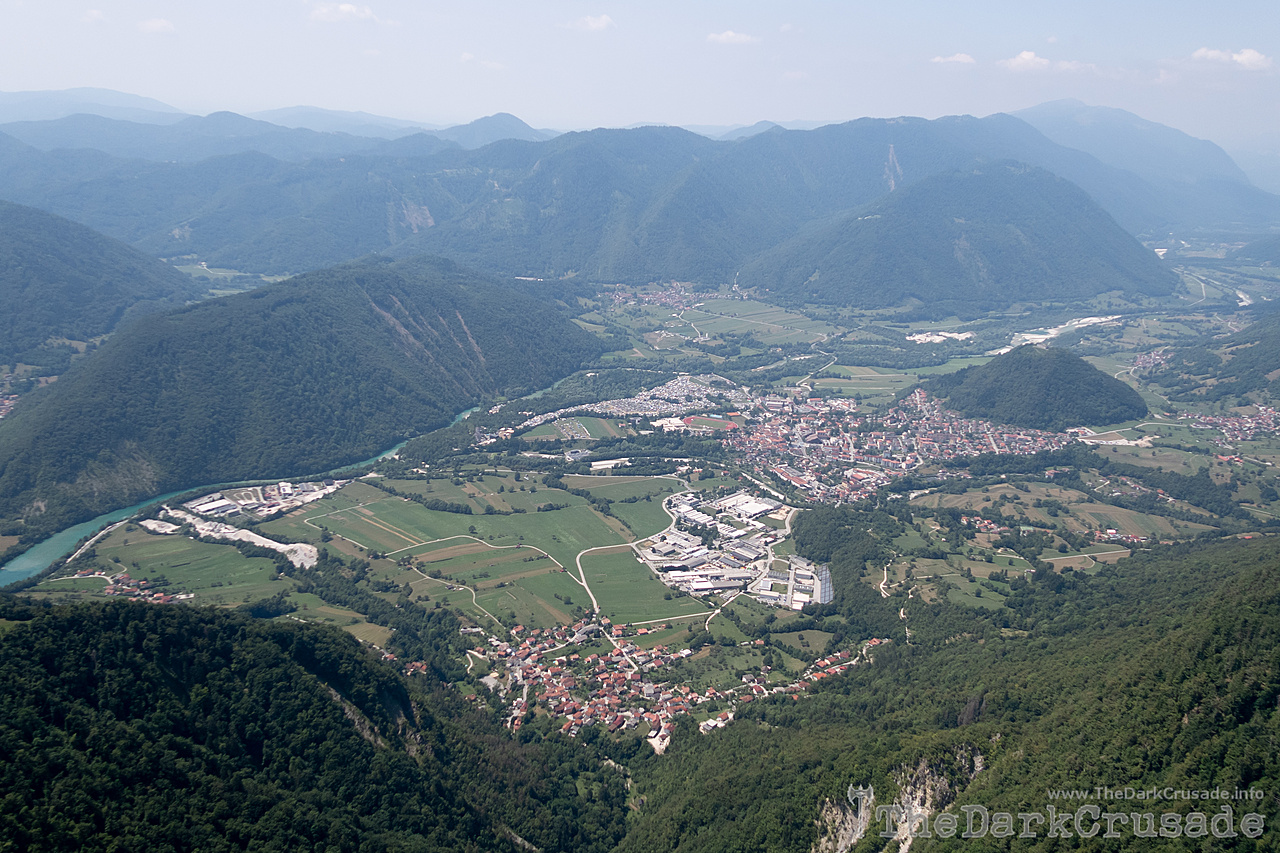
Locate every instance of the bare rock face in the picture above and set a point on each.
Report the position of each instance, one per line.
(925, 789)
(840, 826)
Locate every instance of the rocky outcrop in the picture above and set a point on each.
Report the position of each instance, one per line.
(924, 789)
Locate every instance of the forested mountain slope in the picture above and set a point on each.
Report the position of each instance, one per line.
(1051, 389)
(293, 378)
(1160, 672)
(128, 726)
(61, 280)
(608, 205)
(200, 729)
(1244, 365)
(983, 238)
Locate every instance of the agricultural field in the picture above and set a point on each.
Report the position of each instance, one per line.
(1080, 512)
(215, 574)
(629, 592)
(496, 565)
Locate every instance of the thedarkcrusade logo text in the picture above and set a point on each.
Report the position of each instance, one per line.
(1085, 821)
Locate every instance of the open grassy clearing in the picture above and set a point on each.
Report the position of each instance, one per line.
(541, 432)
(971, 594)
(393, 525)
(645, 518)
(367, 632)
(628, 592)
(531, 607)
(602, 428)
(718, 666)
(217, 574)
(768, 323)
(617, 487)
(811, 641)
(488, 567)
(723, 629)
(674, 637)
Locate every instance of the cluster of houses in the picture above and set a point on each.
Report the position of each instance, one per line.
(982, 525)
(809, 443)
(134, 589)
(614, 689)
(1265, 421)
(621, 689)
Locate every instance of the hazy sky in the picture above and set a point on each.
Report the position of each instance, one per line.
(571, 65)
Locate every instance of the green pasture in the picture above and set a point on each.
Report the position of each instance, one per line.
(628, 592)
(217, 574)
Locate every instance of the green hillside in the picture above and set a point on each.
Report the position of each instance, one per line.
(297, 377)
(63, 281)
(606, 205)
(978, 239)
(1049, 389)
(1159, 672)
(1264, 251)
(144, 728)
(167, 727)
(1241, 366)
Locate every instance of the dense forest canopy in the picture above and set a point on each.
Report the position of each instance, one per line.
(984, 238)
(1051, 389)
(293, 378)
(61, 280)
(127, 726)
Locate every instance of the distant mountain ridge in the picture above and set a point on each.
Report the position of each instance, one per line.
(196, 138)
(638, 205)
(987, 237)
(47, 105)
(292, 378)
(1122, 139)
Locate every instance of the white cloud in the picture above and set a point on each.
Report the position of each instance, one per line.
(1072, 65)
(483, 63)
(1026, 61)
(333, 12)
(593, 23)
(1212, 55)
(730, 37)
(156, 25)
(961, 58)
(1251, 59)
(93, 16)
(1248, 58)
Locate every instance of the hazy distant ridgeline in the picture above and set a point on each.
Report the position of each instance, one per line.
(292, 378)
(965, 241)
(1051, 389)
(611, 205)
(59, 279)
